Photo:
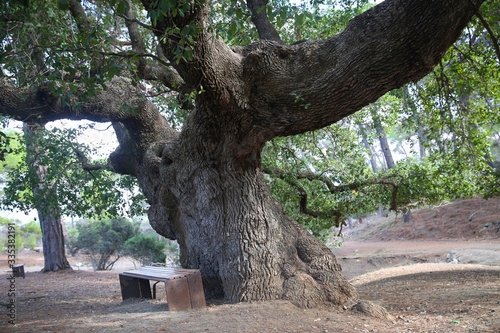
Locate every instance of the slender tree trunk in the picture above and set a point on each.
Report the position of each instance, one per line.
(410, 105)
(421, 140)
(384, 143)
(368, 147)
(48, 213)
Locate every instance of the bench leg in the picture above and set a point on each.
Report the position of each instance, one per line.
(178, 296)
(134, 287)
(196, 291)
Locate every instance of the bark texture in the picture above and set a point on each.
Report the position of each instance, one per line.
(205, 184)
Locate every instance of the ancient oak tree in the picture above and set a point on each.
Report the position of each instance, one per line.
(204, 184)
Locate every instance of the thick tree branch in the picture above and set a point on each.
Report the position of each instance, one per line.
(163, 71)
(79, 15)
(259, 17)
(304, 209)
(308, 86)
(120, 102)
(211, 63)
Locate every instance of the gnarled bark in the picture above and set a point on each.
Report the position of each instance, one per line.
(228, 225)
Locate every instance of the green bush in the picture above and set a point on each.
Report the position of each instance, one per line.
(28, 235)
(104, 240)
(146, 249)
(31, 243)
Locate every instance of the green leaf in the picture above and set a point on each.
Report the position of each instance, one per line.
(63, 4)
(123, 7)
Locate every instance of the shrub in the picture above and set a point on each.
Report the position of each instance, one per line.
(104, 240)
(146, 249)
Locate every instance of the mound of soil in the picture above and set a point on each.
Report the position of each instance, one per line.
(471, 218)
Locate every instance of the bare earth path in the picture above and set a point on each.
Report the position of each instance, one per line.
(410, 278)
(359, 257)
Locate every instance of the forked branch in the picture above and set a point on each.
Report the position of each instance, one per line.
(289, 175)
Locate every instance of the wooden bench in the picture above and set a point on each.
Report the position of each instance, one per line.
(184, 286)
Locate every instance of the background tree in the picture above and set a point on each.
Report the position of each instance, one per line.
(53, 176)
(45, 197)
(204, 183)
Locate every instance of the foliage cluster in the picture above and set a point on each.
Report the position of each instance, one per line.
(107, 240)
(27, 235)
(77, 192)
(444, 130)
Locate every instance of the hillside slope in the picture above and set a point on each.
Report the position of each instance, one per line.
(471, 218)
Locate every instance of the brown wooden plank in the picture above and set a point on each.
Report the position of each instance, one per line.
(196, 291)
(178, 296)
(155, 274)
(180, 271)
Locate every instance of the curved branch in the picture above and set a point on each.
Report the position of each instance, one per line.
(147, 71)
(141, 57)
(132, 19)
(78, 14)
(310, 85)
(211, 63)
(120, 102)
(161, 72)
(84, 161)
(336, 214)
(286, 175)
(84, 27)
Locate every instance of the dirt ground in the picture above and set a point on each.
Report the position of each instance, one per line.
(430, 283)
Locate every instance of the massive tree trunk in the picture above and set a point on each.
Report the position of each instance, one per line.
(228, 225)
(204, 184)
(46, 204)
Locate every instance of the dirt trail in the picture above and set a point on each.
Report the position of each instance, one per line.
(359, 257)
